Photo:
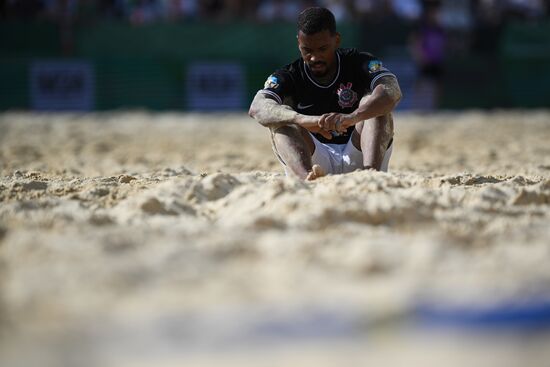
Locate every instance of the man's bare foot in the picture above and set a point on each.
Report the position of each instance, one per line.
(316, 172)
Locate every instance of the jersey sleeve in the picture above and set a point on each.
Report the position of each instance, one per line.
(278, 86)
(373, 69)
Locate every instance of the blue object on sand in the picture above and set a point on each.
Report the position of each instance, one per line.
(533, 313)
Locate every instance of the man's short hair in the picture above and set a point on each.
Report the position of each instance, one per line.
(315, 20)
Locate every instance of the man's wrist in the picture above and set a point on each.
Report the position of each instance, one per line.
(355, 117)
(298, 119)
(303, 120)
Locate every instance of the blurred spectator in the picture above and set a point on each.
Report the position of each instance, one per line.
(277, 10)
(339, 8)
(488, 18)
(373, 11)
(111, 8)
(144, 11)
(234, 9)
(455, 14)
(25, 9)
(366, 8)
(407, 9)
(427, 44)
(66, 13)
(496, 12)
(488, 11)
(304, 4)
(175, 10)
(525, 9)
(210, 9)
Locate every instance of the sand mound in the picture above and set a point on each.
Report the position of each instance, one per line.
(143, 239)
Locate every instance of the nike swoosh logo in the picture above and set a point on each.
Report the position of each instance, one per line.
(303, 107)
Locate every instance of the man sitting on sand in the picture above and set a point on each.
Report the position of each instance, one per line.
(330, 111)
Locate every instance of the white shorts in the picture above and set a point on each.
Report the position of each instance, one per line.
(340, 158)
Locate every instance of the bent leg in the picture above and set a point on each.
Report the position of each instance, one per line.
(372, 137)
(294, 146)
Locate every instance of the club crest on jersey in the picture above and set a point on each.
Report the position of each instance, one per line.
(271, 82)
(346, 96)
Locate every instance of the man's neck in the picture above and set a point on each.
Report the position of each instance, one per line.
(328, 78)
(325, 79)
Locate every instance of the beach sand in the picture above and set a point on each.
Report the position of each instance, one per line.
(142, 239)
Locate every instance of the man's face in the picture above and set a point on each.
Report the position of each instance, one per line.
(318, 51)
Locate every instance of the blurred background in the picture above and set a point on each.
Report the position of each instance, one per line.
(215, 54)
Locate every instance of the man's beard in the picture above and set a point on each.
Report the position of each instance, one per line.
(321, 72)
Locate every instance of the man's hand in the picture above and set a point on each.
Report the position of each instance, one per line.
(311, 123)
(316, 129)
(335, 122)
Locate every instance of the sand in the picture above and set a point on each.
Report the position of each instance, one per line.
(141, 239)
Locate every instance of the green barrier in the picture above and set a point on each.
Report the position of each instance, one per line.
(138, 83)
(145, 67)
(14, 83)
(525, 55)
(473, 81)
(211, 41)
(22, 39)
(156, 55)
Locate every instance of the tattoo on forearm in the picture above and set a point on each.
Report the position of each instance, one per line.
(271, 114)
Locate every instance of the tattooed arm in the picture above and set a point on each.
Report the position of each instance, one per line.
(273, 115)
(385, 96)
(382, 101)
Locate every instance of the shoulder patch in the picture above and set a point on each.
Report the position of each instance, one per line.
(375, 66)
(271, 82)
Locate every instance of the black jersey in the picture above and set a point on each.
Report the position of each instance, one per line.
(356, 76)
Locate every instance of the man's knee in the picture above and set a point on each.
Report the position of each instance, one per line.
(387, 125)
(287, 130)
(381, 126)
(294, 133)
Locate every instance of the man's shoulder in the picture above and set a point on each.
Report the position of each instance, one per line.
(347, 52)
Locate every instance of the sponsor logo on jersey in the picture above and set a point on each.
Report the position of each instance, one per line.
(376, 65)
(271, 82)
(346, 96)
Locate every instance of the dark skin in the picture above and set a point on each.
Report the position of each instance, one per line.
(372, 119)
